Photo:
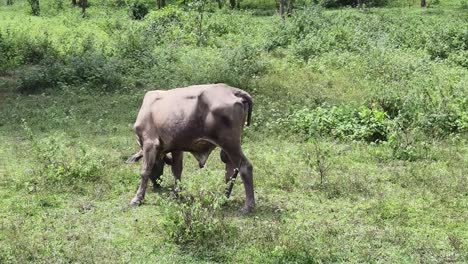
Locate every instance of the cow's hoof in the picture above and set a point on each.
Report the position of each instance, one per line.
(247, 209)
(135, 202)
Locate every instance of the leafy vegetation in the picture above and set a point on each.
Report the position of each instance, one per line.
(358, 140)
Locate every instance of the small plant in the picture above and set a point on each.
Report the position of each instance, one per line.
(199, 7)
(195, 221)
(318, 159)
(62, 163)
(407, 143)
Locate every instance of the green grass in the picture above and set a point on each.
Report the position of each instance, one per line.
(65, 189)
(369, 207)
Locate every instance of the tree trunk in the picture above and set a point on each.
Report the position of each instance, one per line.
(282, 8)
(162, 3)
(84, 4)
(220, 4)
(290, 7)
(232, 4)
(423, 3)
(73, 2)
(35, 7)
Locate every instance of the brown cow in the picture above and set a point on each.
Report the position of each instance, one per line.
(195, 119)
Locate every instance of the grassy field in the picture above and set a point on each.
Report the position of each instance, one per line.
(359, 137)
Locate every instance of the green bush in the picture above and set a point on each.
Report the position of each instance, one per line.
(9, 57)
(463, 4)
(91, 70)
(137, 10)
(316, 44)
(353, 3)
(58, 5)
(279, 37)
(35, 49)
(242, 65)
(449, 43)
(36, 79)
(342, 122)
(94, 70)
(334, 3)
(35, 8)
(407, 143)
(164, 26)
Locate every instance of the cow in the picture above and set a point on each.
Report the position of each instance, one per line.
(193, 119)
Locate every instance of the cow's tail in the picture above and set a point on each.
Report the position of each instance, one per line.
(137, 156)
(248, 100)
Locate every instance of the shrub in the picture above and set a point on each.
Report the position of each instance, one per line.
(137, 10)
(9, 57)
(464, 4)
(35, 8)
(341, 3)
(243, 64)
(279, 36)
(406, 143)
(218, 24)
(449, 43)
(445, 120)
(36, 79)
(116, 3)
(91, 70)
(335, 3)
(342, 122)
(94, 70)
(58, 4)
(317, 43)
(35, 49)
(164, 25)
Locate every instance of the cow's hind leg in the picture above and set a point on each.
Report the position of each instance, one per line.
(150, 154)
(229, 166)
(238, 160)
(156, 173)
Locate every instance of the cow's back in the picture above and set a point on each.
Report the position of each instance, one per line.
(180, 116)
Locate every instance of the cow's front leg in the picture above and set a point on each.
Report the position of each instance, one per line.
(177, 166)
(150, 153)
